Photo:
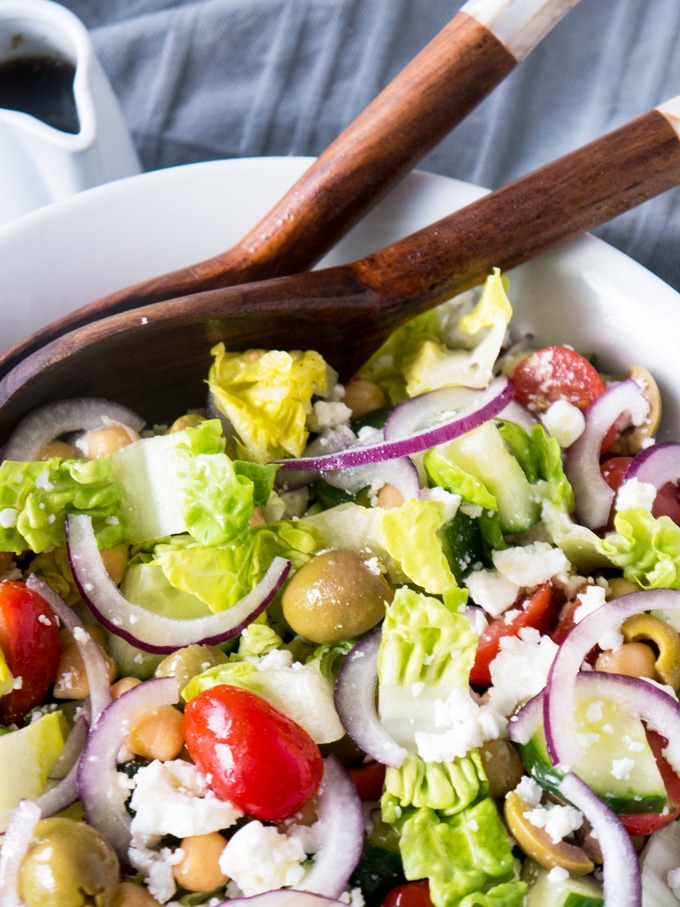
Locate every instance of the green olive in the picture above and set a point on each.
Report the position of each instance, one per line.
(189, 661)
(68, 864)
(336, 595)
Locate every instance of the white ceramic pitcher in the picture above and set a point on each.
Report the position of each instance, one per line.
(40, 163)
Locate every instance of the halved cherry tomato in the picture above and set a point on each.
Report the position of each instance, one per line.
(646, 823)
(555, 373)
(539, 610)
(369, 780)
(614, 470)
(667, 501)
(29, 639)
(410, 894)
(255, 756)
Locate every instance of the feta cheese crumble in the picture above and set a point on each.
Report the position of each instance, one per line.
(520, 670)
(259, 858)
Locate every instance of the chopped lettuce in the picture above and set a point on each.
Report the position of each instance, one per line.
(448, 787)
(456, 343)
(427, 650)
(266, 396)
(407, 539)
(646, 548)
(466, 857)
(35, 498)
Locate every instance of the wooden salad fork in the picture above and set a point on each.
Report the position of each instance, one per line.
(472, 54)
(156, 358)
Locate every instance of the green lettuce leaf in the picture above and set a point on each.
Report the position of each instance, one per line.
(35, 498)
(646, 548)
(456, 343)
(448, 787)
(460, 855)
(266, 396)
(427, 650)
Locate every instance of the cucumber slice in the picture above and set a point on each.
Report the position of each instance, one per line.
(482, 453)
(618, 762)
(545, 890)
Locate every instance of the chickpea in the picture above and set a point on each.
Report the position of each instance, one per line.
(636, 659)
(67, 864)
(336, 595)
(100, 442)
(131, 895)
(199, 868)
(389, 496)
(502, 765)
(58, 449)
(115, 561)
(189, 420)
(123, 685)
(157, 735)
(363, 396)
(71, 680)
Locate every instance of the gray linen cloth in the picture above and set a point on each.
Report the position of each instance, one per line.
(208, 79)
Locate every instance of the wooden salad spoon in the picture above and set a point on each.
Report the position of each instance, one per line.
(156, 358)
(472, 54)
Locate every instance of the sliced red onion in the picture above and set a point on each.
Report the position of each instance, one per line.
(96, 667)
(55, 419)
(656, 465)
(418, 424)
(592, 495)
(18, 834)
(355, 702)
(144, 629)
(558, 705)
(101, 794)
(622, 882)
(340, 832)
(400, 472)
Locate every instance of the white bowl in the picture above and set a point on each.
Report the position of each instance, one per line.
(585, 293)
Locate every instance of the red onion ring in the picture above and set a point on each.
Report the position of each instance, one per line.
(340, 828)
(622, 882)
(582, 462)
(18, 834)
(101, 795)
(355, 702)
(144, 629)
(418, 424)
(96, 668)
(656, 465)
(54, 419)
(558, 705)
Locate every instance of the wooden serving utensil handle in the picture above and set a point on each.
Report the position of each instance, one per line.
(346, 312)
(460, 66)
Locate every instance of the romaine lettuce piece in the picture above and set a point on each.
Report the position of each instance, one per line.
(646, 548)
(427, 650)
(448, 787)
(266, 396)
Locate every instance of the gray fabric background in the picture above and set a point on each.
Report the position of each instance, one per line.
(206, 79)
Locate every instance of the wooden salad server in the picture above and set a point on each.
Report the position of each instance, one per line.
(478, 48)
(156, 358)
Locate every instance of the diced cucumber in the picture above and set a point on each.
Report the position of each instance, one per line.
(546, 889)
(482, 453)
(617, 762)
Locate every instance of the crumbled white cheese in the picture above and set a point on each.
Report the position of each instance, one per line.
(557, 820)
(634, 493)
(564, 421)
(529, 790)
(461, 724)
(621, 768)
(8, 517)
(520, 670)
(491, 591)
(531, 565)
(171, 798)
(450, 501)
(259, 858)
(327, 414)
(673, 881)
(558, 874)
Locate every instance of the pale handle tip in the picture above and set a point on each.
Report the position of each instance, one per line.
(671, 110)
(519, 24)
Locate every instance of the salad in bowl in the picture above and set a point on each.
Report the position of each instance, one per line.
(409, 640)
